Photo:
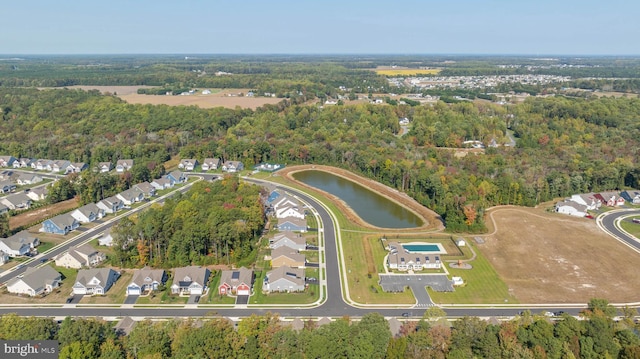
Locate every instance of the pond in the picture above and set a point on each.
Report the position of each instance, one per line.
(370, 206)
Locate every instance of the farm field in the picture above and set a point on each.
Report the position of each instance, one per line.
(404, 71)
(552, 258)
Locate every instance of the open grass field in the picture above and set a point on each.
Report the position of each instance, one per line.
(225, 98)
(25, 219)
(553, 258)
(404, 71)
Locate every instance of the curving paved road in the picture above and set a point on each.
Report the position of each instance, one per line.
(333, 306)
(608, 222)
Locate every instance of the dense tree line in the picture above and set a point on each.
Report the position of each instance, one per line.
(526, 336)
(564, 145)
(212, 223)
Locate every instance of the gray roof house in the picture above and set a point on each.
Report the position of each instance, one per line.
(35, 281)
(7, 161)
(289, 239)
(188, 164)
(19, 244)
(130, 196)
(284, 279)
(111, 204)
(210, 164)
(124, 165)
(162, 183)
(292, 224)
(237, 281)
(190, 280)
(94, 281)
(7, 186)
(146, 188)
(88, 213)
(37, 193)
(17, 201)
(61, 224)
(28, 178)
(22, 163)
(59, 165)
(80, 256)
(146, 279)
(104, 167)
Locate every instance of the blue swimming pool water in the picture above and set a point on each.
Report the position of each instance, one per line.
(421, 248)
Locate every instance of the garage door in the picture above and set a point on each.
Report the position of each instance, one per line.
(243, 292)
(133, 291)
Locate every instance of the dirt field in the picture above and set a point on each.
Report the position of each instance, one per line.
(224, 98)
(41, 213)
(432, 220)
(553, 258)
(119, 90)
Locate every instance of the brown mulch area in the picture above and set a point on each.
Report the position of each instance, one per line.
(27, 218)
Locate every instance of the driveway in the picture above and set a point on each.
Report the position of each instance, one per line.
(75, 299)
(193, 299)
(242, 300)
(131, 299)
(418, 284)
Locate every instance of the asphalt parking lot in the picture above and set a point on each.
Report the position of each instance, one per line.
(418, 284)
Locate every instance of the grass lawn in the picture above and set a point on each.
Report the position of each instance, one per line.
(212, 297)
(482, 285)
(630, 227)
(45, 246)
(116, 293)
(308, 296)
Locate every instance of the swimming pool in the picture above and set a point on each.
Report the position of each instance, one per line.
(422, 248)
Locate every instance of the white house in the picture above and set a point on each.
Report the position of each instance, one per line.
(146, 280)
(35, 281)
(232, 166)
(19, 244)
(79, 256)
(88, 213)
(111, 204)
(190, 280)
(124, 165)
(94, 281)
(161, 183)
(188, 164)
(571, 208)
(210, 164)
(106, 239)
(290, 211)
(586, 199)
(130, 196)
(288, 239)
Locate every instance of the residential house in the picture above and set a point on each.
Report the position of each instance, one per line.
(19, 244)
(210, 164)
(22, 163)
(76, 167)
(190, 280)
(88, 213)
(285, 201)
(236, 281)
(96, 281)
(146, 280)
(285, 256)
(146, 188)
(289, 239)
(599, 197)
(7, 186)
(41, 164)
(124, 165)
(612, 199)
(130, 196)
(28, 178)
(4, 257)
(104, 167)
(232, 166)
(176, 177)
(292, 224)
(106, 239)
(59, 166)
(399, 258)
(273, 198)
(80, 256)
(7, 161)
(188, 164)
(587, 199)
(61, 224)
(290, 211)
(284, 279)
(572, 208)
(37, 193)
(17, 201)
(631, 196)
(111, 204)
(35, 281)
(161, 183)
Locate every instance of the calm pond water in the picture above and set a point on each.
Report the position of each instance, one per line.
(370, 206)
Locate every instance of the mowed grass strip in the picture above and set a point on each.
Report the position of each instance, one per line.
(483, 285)
(630, 227)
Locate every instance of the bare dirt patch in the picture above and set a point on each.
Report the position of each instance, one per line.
(552, 258)
(119, 90)
(27, 218)
(224, 98)
(431, 219)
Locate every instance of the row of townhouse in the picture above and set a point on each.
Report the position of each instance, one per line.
(43, 164)
(210, 164)
(191, 280)
(65, 223)
(579, 204)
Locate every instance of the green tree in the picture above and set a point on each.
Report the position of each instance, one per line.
(5, 230)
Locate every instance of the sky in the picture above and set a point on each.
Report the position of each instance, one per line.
(519, 27)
